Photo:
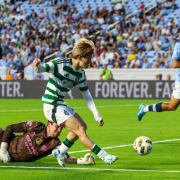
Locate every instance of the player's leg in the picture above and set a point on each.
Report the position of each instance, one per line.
(71, 137)
(77, 126)
(60, 151)
(171, 106)
(159, 107)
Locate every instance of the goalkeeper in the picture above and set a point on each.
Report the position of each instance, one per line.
(35, 142)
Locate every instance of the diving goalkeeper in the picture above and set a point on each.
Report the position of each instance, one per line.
(35, 142)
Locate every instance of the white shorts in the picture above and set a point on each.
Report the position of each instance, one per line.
(57, 114)
(176, 91)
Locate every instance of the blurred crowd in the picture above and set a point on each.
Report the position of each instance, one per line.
(145, 40)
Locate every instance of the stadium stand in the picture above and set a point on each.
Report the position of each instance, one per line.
(131, 34)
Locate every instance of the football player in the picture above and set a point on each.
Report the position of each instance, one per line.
(65, 73)
(35, 142)
(175, 98)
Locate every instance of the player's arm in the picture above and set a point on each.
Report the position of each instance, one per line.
(16, 128)
(19, 127)
(83, 87)
(91, 105)
(44, 67)
(86, 160)
(4, 154)
(176, 56)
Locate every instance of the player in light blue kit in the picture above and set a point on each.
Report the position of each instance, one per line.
(175, 98)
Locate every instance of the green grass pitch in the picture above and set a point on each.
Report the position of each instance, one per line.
(120, 128)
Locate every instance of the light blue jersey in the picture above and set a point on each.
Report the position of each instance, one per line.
(176, 56)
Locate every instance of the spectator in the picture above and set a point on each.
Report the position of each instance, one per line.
(142, 10)
(168, 77)
(158, 77)
(26, 34)
(9, 76)
(106, 73)
(0, 49)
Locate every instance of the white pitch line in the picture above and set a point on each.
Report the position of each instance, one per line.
(78, 107)
(108, 147)
(102, 169)
(168, 140)
(91, 169)
(126, 145)
(20, 110)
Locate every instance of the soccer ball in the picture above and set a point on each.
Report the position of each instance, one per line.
(142, 145)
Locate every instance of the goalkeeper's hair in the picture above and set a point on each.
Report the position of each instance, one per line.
(83, 48)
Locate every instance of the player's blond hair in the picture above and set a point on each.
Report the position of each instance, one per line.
(83, 48)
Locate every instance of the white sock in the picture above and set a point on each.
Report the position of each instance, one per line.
(146, 109)
(62, 148)
(102, 154)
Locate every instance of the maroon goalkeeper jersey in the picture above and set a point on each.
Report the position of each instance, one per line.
(33, 144)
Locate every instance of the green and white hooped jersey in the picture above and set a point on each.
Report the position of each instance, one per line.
(63, 78)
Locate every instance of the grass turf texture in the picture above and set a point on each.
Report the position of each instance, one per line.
(121, 127)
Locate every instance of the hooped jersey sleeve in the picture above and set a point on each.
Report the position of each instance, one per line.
(48, 67)
(82, 83)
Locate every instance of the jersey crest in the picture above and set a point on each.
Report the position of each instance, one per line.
(39, 140)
